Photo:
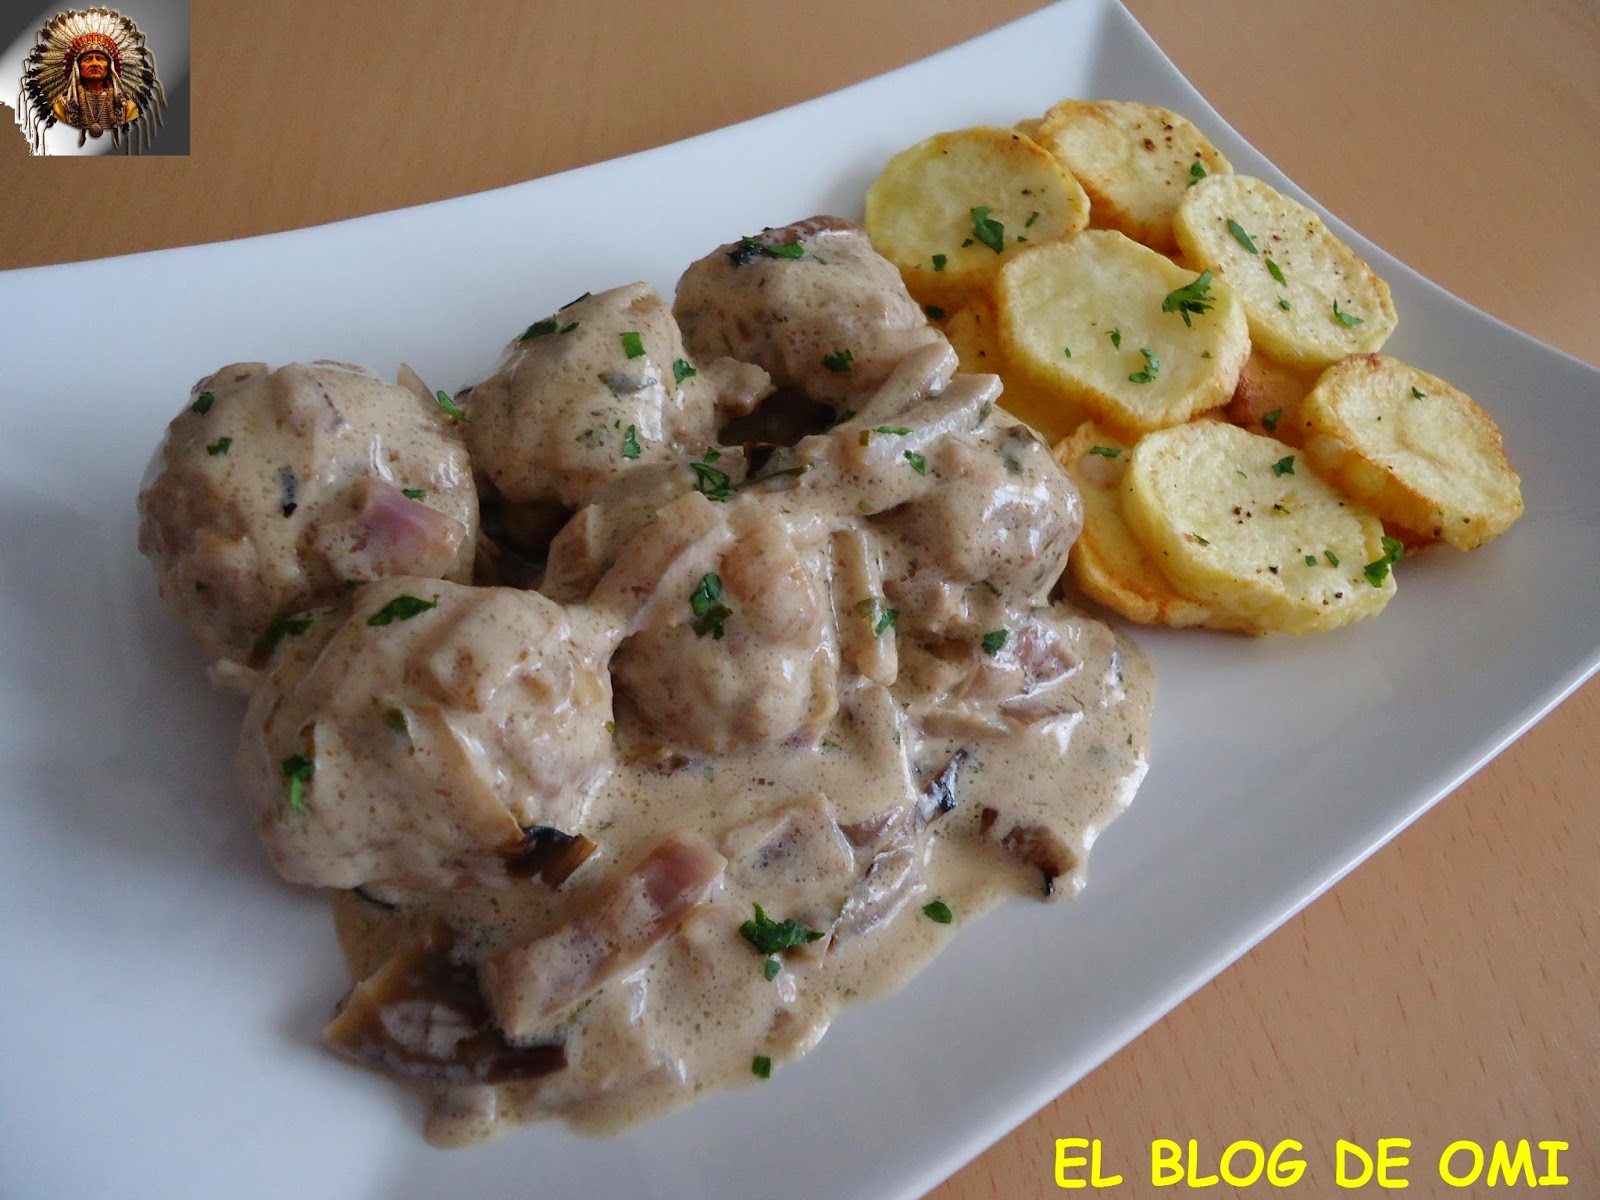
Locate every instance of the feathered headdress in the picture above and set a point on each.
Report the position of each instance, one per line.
(50, 73)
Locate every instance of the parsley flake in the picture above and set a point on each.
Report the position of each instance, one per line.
(786, 250)
(1269, 422)
(987, 230)
(682, 369)
(1198, 538)
(710, 482)
(1345, 318)
(918, 463)
(203, 404)
(1284, 466)
(298, 770)
(771, 967)
(1106, 451)
(633, 344)
(220, 446)
(938, 262)
(761, 1067)
(1376, 572)
(709, 611)
(1032, 217)
(451, 408)
(1240, 236)
(1193, 297)
(401, 608)
(1276, 272)
(280, 628)
(1311, 560)
(994, 641)
(630, 443)
(938, 912)
(774, 937)
(567, 328)
(1067, 350)
(1416, 395)
(414, 493)
(1197, 172)
(396, 720)
(539, 329)
(839, 361)
(878, 614)
(1284, 304)
(1116, 338)
(1333, 559)
(1152, 367)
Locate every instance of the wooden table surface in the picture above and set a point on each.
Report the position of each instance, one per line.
(1447, 988)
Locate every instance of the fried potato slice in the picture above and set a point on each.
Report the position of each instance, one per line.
(1083, 318)
(1228, 517)
(1268, 397)
(1107, 562)
(972, 333)
(1134, 160)
(1309, 299)
(950, 210)
(1417, 451)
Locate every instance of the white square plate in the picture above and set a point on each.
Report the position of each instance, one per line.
(164, 991)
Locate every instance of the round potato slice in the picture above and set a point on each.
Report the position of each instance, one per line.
(950, 210)
(1239, 521)
(1414, 449)
(972, 334)
(1134, 160)
(1107, 562)
(1309, 299)
(1109, 324)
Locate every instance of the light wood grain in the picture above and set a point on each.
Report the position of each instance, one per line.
(1448, 988)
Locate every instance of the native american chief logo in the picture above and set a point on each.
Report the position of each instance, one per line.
(91, 70)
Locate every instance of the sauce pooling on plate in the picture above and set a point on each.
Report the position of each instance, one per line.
(757, 693)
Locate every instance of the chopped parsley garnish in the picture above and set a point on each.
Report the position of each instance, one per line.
(897, 430)
(401, 608)
(1197, 172)
(394, 718)
(1116, 338)
(938, 262)
(1377, 572)
(1276, 272)
(280, 628)
(630, 442)
(1416, 395)
(682, 369)
(633, 344)
(220, 446)
(298, 770)
(540, 329)
(994, 641)
(771, 967)
(1198, 538)
(568, 328)
(938, 912)
(786, 250)
(710, 482)
(1280, 510)
(1284, 466)
(1269, 422)
(1067, 350)
(203, 404)
(987, 230)
(838, 361)
(451, 408)
(1032, 217)
(761, 1067)
(1311, 560)
(774, 937)
(1152, 367)
(1345, 318)
(935, 313)
(1240, 236)
(1106, 451)
(918, 463)
(1193, 297)
(1333, 559)
(878, 614)
(1284, 304)
(579, 300)
(709, 611)
(414, 493)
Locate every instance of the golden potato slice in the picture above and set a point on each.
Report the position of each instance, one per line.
(971, 331)
(1028, 127)
(1084, 318)
(1309, 299)
(1135, 161)
(1241, 522)
(950, 210)
(1107, 562)
(1414, 449)
(1268, 397)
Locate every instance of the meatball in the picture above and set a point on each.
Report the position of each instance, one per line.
(748, 657)
(603, 388)
(833, 320)
(412, 735)
(273, 490)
